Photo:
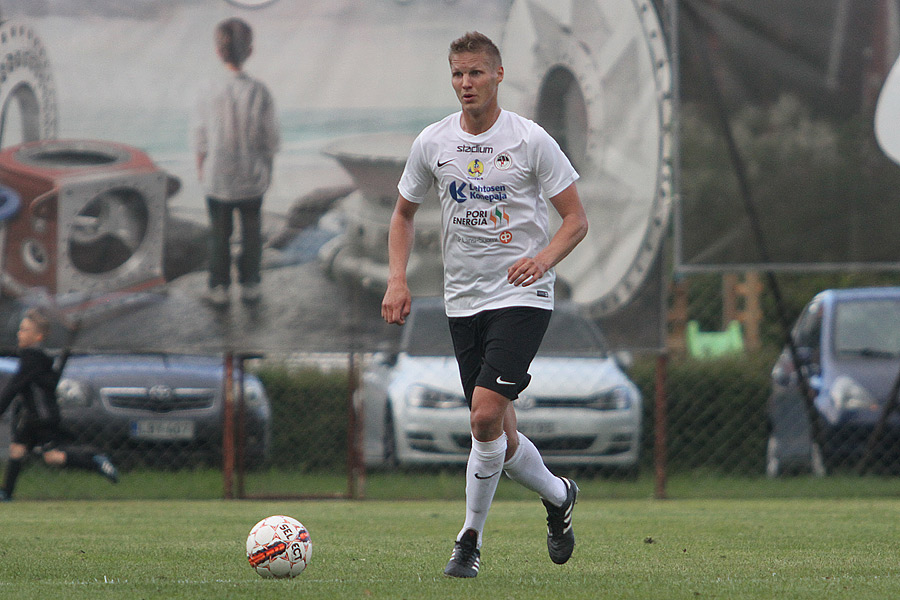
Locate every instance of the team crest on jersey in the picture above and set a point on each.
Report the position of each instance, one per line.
(503, 161)
(475, 168)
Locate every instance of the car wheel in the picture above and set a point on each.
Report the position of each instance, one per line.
(773, 462)
(389, 440)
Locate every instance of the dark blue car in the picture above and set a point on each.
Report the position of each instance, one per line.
(848, 342)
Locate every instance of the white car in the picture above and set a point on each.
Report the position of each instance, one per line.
(580, 409)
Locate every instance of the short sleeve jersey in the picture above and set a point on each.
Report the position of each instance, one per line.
(492, 209)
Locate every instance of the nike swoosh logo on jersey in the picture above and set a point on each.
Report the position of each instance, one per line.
(477, 476)
(501, 382)
(446, 162)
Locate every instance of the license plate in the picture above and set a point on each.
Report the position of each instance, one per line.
(162, 430)
(536, 427)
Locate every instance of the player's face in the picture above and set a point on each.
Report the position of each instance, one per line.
(476, 80)
(29, 335)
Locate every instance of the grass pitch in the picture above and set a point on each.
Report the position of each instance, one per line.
(642, 549)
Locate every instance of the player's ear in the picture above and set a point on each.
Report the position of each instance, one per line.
(499, 73)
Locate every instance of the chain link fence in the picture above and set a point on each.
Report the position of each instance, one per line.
(306, 424)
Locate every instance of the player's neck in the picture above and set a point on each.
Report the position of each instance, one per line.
(476, 123)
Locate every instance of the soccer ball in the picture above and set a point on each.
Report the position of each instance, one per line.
(279, 547)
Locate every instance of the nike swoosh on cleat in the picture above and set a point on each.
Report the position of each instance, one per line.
(477, 476)
(446, 162)
(501, 382)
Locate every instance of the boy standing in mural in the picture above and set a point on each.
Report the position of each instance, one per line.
(35, 419)
(491, 167)
(235, 136)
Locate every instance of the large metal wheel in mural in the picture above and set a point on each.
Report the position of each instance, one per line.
(596, 75)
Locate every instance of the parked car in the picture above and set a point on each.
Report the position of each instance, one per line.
(848, 342)
(163, 410)
(580, 408)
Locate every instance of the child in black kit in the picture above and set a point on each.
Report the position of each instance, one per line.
(35, 419)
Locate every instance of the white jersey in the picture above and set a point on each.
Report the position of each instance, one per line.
(492, 211)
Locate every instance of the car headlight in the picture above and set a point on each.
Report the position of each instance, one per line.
(71, 392)
(618, 398)
(254, 394)
(425, 397)
(846, 394)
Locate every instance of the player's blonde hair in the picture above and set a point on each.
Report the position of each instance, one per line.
(474, 41)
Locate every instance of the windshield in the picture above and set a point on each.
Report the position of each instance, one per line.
(867, 328)
(568, 335)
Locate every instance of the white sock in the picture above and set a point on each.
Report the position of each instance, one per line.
(482, 474)
(527, 468)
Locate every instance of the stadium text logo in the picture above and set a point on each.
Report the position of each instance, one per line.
(475, 149)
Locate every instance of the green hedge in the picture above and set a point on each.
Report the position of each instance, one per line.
(309, 417)
(716, 412)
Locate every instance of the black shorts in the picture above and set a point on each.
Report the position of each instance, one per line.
(37, 434)
(494, 348)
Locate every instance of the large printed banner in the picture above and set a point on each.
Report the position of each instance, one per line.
(105, 220)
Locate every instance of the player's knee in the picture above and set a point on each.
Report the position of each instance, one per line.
(17, 451)
(486, 420)
(55, 458)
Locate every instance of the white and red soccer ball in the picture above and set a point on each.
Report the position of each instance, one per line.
(279, 547)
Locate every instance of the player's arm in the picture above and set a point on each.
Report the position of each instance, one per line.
(397, 300)
(529, 269)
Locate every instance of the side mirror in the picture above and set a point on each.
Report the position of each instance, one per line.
(624, 359)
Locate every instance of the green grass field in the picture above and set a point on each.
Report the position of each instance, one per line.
(627, 548)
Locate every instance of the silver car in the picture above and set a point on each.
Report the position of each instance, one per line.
(580, 408)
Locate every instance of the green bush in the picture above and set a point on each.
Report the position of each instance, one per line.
(716, 412)
(309, 417)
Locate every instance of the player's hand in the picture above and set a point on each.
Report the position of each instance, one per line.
(396, 304)
(526, 271)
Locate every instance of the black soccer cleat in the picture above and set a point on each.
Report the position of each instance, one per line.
(560, 535)
(466, 557)
(105, 467)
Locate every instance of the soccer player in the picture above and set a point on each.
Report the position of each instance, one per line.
(491, 167)
(235, 136)
(35, 420)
